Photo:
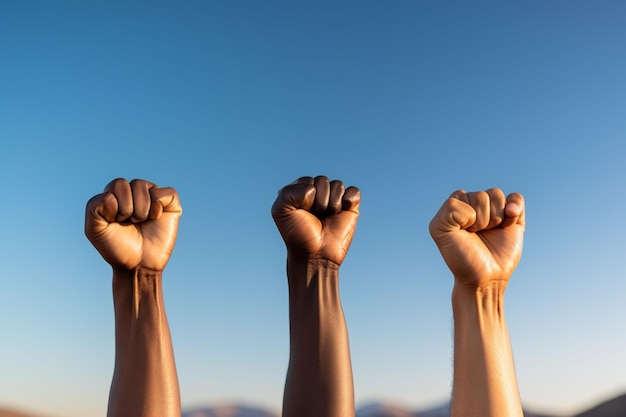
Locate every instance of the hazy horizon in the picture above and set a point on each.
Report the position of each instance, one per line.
(360, 408)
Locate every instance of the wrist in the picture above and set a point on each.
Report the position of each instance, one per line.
(310, 277)
(471, 286)
(304, 270)
(136, 288)
(141, 280)
(137, 271)
(312, 262)
(486, 300)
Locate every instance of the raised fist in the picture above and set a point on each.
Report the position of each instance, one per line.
(134, 224)
(480, 235)
(317, 218)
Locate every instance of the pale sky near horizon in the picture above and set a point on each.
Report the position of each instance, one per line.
(229, 101)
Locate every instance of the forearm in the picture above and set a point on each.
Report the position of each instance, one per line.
(484, 384)
(145, 383)
(319, 380)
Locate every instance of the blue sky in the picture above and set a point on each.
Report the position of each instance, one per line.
(227, 102)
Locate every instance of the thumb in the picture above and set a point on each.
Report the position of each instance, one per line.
(453, 215)
(293, 197)
(100, 211)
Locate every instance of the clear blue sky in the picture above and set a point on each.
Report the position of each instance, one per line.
(228, 101)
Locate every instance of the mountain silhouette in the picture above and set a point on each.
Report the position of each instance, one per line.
(6, 412)
(229, 410)
(613, 407)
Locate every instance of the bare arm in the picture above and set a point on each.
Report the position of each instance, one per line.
(133, 226)
(317, 219)
(480, 236)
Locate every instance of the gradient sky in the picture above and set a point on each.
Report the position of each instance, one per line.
(229, 101)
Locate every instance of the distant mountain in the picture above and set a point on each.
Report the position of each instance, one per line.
(440, 411)
(229, 410)
(5, 412)
(379, 409)
(389, 410)
(615, 407)
(530, 414)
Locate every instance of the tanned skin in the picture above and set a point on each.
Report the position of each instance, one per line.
(133, 225)
(317, 219)
(480, 236)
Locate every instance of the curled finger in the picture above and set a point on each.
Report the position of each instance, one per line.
(351, 199)
(120, 188)
(497, 202)
(479, 201)
(515, 210)
(335, 197)
(164, 200)
(141, 200)
(322, 193)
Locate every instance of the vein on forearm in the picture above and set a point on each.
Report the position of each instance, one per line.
(484, 374)
(319, 380)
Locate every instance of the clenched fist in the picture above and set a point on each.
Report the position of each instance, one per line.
(134, 224)
(317, 218)
(480, 235)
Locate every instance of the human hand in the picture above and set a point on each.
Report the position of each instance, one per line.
(133, 224)
(480, 235)
(317, 218)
